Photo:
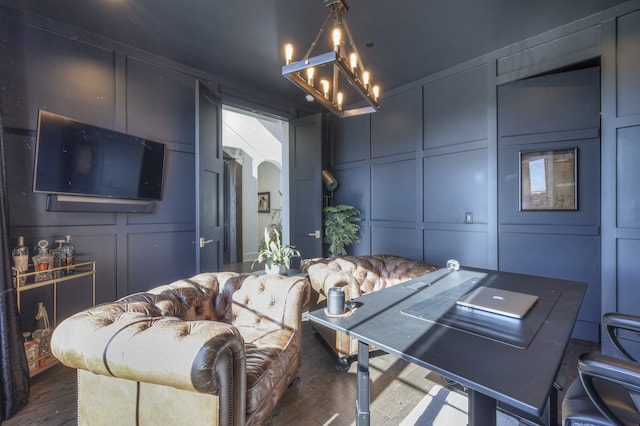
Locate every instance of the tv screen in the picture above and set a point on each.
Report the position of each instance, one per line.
(74, 158)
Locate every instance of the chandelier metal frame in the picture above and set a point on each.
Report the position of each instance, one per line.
(350, 69)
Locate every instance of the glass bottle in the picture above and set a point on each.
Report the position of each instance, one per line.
(21, 258)
(59, 258)
(70, 250)
(42, 261)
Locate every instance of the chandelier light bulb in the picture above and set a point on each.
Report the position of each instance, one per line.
(353, 61)
(288, 52)
(365, 79)
(310, 72)
(376, 92)
(337, 37)
(340, 100)
(325, 88)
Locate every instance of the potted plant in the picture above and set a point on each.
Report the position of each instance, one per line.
(275, 255)
(341, 228)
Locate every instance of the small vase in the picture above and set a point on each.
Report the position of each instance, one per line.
(276, 269)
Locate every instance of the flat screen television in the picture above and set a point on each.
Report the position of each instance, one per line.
(73, 158)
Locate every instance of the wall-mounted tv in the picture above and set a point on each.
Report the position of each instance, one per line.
(73, 158)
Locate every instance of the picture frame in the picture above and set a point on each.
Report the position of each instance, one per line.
(548, 179)
(264, 202)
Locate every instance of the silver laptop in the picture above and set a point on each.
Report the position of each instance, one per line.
(495, 300)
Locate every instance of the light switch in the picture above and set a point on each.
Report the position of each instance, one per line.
(468, 217)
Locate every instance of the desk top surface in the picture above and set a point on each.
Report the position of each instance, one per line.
(475, 353)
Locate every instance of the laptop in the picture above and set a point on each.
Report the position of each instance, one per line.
(497, 301)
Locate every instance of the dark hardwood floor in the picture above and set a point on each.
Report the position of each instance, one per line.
(322, 396)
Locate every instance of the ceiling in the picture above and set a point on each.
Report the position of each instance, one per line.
(241, 41)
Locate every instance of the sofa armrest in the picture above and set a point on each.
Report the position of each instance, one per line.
(113, 341)
(323, 277)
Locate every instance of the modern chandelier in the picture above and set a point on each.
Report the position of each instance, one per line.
(323, 76)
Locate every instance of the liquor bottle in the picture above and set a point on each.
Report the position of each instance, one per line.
(42, 261)
(59, 258)
(70, 251)
(21, 258)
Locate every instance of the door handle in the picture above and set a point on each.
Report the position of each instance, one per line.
(315, 234)
(204, 242)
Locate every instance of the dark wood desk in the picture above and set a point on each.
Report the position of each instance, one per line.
(497, 358)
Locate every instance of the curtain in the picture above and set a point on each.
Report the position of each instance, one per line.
(14, 369)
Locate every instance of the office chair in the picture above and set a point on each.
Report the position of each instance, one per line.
(607, 391)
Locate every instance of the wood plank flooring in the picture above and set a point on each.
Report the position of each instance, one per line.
(322, 396)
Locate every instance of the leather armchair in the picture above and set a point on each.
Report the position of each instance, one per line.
(607, 391)
(218, 348)
(357, 275)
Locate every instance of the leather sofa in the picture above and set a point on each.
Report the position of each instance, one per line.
(357, 275)
(217, 349)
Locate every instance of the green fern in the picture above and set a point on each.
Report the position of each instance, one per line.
(341, 228)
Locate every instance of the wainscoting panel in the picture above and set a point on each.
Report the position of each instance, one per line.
(396, 128)
(450, 196)
(468, 248)
(396, 241)
(628, 177)
(351, 181)
(160, 103)
(628, 273)
(628, 62)
(392, 188)
(579, 40)
(351, 139)
(57, 73)
(455, 109)
(557, 103)
(558, 256)
(162, 263)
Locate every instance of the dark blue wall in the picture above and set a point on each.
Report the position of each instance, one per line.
(431, 155)
(105, 87)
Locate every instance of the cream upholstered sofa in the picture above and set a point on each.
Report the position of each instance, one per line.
(218, 348)
(357, 275)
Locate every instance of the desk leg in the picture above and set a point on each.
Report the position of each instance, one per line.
(551, 415)
(482, 409)
(362, 404)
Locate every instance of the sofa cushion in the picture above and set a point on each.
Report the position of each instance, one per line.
(269, 354)
(272, 347)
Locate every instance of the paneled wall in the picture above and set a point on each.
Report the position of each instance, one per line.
(424, 162)
(431, 155)
(93, 82)
(620, 158)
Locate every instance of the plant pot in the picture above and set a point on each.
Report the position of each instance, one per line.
(276, 269)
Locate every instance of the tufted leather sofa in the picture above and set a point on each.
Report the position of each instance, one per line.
(358, 275)
(218, 348)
